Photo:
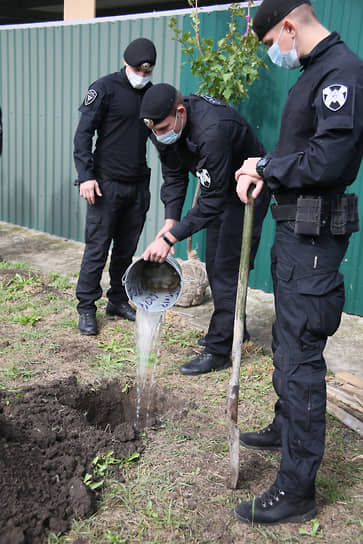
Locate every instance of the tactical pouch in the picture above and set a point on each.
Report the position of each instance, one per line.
(308, 215)
(344, 214)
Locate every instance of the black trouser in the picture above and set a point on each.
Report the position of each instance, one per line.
(223, 251)
(118, 216)
(309, 299)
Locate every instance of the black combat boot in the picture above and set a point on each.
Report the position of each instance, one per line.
(88, 324)
(206, 362)
(265, 439)
(122, 310)
(276, 506)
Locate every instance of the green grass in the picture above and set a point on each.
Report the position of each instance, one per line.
(16, 372)
(24, 319)
(184, 338)
(124, 345)
(14, 265)
(101, 468)
(109, 364)
(177, 490)
(58, 281)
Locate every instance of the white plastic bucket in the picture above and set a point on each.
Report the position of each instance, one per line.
(154, 287)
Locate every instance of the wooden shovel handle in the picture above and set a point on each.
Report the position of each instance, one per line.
(238, 333)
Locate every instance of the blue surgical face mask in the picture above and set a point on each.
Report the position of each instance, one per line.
(137, 81)
(169, 137)
(287, 60)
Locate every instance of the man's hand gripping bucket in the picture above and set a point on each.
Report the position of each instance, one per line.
(154, 287)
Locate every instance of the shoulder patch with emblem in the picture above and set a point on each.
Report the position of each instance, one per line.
(211, 100)
(91, 97)
(204, 178)
(335, 96)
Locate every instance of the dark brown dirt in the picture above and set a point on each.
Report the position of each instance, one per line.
(49, 436)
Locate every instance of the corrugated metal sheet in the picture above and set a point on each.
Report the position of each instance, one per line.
(45, 73)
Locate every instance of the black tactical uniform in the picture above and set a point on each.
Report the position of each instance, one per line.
(214, 141)
(118, 163)
(317, 156)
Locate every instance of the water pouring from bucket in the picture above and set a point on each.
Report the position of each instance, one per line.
(153, 288)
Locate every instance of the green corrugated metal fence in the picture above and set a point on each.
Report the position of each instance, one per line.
(45, 72)
(263, 110)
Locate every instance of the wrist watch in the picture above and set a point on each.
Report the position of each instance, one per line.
(167, 240)
(261, 165)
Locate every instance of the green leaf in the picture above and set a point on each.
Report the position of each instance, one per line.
(96, 485)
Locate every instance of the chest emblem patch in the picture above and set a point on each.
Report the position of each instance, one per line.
(204, 178)
(91, 97)
(335, 96)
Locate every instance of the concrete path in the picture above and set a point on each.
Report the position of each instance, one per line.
(48, 253)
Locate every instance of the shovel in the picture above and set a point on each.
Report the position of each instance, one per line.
(238, 332)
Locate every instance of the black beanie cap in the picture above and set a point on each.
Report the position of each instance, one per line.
(271, 12)
(158, 102)
(140, 51)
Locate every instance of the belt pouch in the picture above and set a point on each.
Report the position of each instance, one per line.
(344, 215)
(286, 212)
(308, 215)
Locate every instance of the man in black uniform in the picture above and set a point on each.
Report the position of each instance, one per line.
(317, 156)
(206, 137)
(114, 179)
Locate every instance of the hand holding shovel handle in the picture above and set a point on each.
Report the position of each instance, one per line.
(238, 333)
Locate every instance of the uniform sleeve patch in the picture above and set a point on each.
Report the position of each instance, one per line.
(91, 97)
(335, 96)
(204, 178)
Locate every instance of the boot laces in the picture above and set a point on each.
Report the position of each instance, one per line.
(89, 318)
(267, 429)
(271, 496)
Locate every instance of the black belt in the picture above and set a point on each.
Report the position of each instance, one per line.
(282, 199)
(313, 214)
(286, 212)
(291, 197)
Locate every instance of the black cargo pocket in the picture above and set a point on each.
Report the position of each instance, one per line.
(326, 300)
(92, 226)
(284, 271)
(307, 406)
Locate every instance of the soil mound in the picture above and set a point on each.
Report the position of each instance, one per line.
(49, 436)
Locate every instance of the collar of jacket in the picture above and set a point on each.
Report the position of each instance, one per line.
(329, 41)
(123, 73)
(186, 129)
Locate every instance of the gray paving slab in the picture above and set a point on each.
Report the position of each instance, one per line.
(48, 253)
(342, 353)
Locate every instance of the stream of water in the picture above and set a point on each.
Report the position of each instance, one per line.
(153, 288)
(148, 329)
